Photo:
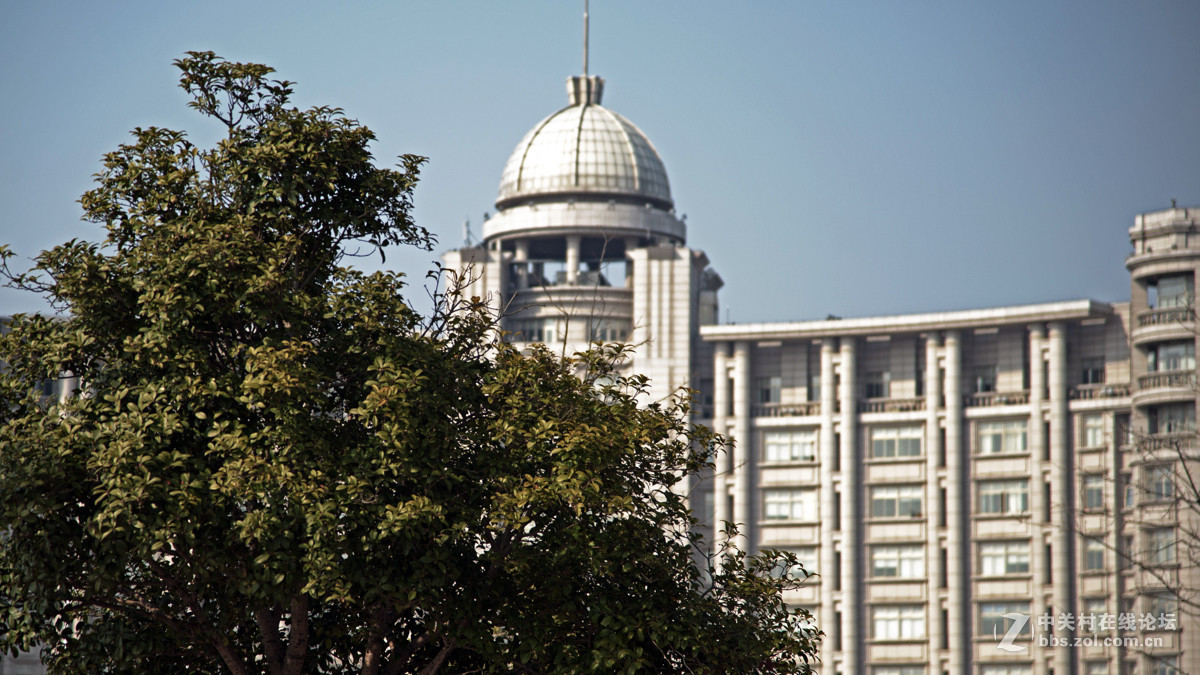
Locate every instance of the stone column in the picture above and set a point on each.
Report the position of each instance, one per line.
(933, 397)
(1037, 476)
(853, 641)
(723, 461)
(958, 606)
(829, 451)
(1062, 492)
(742, 444)
(573, 242)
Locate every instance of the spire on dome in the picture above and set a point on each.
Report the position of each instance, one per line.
(585, 89)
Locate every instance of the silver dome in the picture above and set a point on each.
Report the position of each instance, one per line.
(585, 150)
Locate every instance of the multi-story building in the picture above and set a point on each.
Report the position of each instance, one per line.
(985, 491)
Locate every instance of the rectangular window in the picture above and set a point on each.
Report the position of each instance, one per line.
(896, 442)
(1165, 665)
(1092, 431)
(1093, 555)
(985, 379)
(993, 622)
(1164, 607)
(1003, 557)
(900, 562)
(805, 555)
(1005, 497)
(1169, 356)
(1128, 490)
(790, 446)
(1092, 489)
(878, 384)
(898, 670)
(1005, 669)
(794, 504)
(608, 330)
(1173, 418)
(1160, 546)
(896, 502)
(1093, 371)
(1093, 609)
(898, 622)
(997, 437)
(1096, 668)
(1172, 291)
(1160, 482)
(768, 389)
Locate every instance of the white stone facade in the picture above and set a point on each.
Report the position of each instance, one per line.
(938, 470)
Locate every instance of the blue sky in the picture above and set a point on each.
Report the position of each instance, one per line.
(832, 157)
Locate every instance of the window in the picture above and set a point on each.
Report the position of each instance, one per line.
(899, 622)
(898, 670)
(1173, 418)
(985, 379)
(1125, 559)
(1165, 665)
(608, 330)
(1093, 555)
(996, 437)
(1096, 668)
(1004, 557)
(792, 504)
(1093, 371)
(902, 562)
(1164, 607)
(535, 330)
(1001, 669)
(1160, 482)
(767, 389)
(896, 442)
(790, 446)
(1128, 490)
(892, 502)
(992, 621)
(805, 555)
(1091, 615)
(1160, 546)
(1008, 497)
(1172, 291)
(1092, 489)
(879, 384)
(1169, 356)
(1092, 431)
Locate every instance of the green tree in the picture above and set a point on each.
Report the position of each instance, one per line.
(274, 465)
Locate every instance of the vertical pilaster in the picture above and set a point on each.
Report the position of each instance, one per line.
(829, 451)
(1037, 496)
(851, 525)
(958, 492)
(933, 396)
(573, 242)
(742, 444)
(724, 460)
(1062, 492)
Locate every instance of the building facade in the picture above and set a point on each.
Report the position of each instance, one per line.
(992, 492)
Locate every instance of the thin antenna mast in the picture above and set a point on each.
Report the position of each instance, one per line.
(585, 37)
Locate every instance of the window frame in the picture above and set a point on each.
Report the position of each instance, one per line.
(908, 622)
(1003, 491)
(904, 494)
(1004, 553)
(995, 618)
(908, 560)
(894, 439)
(993, 437)
(802, 497)
(796, 441)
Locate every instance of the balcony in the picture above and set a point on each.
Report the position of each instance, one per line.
(1175, 379)
(805, 409)
(1170, 439)
(994, 398)
(1170, 316)
(891, 405)
(1090, 392)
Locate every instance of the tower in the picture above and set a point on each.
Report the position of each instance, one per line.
(586, 245)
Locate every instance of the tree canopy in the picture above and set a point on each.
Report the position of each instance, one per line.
(272, 464)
